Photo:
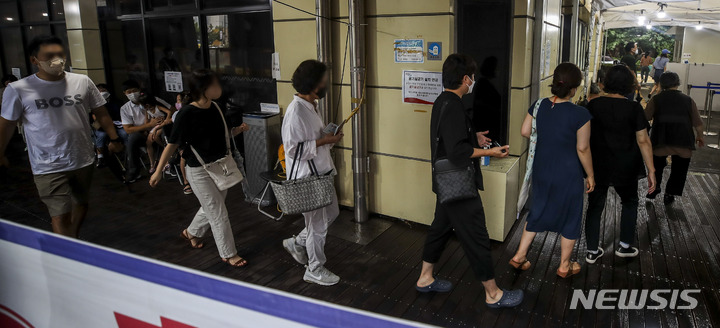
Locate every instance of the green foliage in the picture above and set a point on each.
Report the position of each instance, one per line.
(653, 40)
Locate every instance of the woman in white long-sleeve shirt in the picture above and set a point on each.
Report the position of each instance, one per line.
(302, 124)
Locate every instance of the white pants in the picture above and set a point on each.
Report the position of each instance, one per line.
(315, 233)
(213, 214)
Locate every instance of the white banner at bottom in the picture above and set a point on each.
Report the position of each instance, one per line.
(51, 281)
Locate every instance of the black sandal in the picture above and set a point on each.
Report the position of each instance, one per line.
(187, 189)
(239, 264)
(186, 235)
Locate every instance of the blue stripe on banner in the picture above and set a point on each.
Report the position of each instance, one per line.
(295, 309)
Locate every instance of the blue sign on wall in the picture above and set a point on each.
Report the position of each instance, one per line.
(434, 51)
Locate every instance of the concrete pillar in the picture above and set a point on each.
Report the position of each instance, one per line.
(83, 33)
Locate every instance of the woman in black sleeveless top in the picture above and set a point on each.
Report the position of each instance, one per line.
(674, 117)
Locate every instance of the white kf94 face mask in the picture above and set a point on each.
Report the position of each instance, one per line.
(471, 86)
(53, 66)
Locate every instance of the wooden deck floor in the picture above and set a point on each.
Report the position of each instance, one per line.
(679, 248)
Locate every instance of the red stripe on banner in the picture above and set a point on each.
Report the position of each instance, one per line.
(417, 101)
(124, 321)
(10, 319)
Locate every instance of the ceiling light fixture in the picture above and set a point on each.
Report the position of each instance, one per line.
(662, 13)
(641, 18)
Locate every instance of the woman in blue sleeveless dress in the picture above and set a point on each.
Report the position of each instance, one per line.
(562, 155)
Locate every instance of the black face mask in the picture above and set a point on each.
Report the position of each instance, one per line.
(321, 92)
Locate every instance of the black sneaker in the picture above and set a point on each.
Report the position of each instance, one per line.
(592, 258)
(101, 163)
(626, 252)
(668, 199)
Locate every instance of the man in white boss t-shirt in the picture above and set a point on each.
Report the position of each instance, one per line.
(54, 107)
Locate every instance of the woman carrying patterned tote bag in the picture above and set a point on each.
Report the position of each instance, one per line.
(308, 149)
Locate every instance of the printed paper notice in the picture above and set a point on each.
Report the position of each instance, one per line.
(276, 65)
(421, 87)
(409, 51)
(16, 71)
(173, 81)
(269, 108)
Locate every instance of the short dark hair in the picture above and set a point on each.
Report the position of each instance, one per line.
(130, 84)
(669, 80)
(102, 85)
(566, 77)
(8, 78)
(42, 40)
(454, 69)
(629, 46)
(619, 80)
(146, 98)
(200, 80)
(308, 75)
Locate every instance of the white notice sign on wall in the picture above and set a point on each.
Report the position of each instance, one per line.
(409, 51)
(276, 65)
(16, 71)
(173, 81)
(421, 87)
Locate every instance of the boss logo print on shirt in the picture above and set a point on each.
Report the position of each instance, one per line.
(58, 102)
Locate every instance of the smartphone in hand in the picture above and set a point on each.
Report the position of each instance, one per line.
(496, 144)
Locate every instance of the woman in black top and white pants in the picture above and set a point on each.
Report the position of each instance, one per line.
(200, 125)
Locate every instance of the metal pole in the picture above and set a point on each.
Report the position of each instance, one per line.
(322, 9)
(709, 115)
(708, 107)
(360, 160)
(716, 146)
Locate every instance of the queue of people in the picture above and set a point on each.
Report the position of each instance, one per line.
(574, 150)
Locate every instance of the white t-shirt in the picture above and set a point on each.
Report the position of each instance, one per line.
(55, 115)
(134, 114)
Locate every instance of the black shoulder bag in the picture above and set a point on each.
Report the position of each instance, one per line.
(452, 182)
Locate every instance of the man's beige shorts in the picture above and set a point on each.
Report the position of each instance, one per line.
(59, 191)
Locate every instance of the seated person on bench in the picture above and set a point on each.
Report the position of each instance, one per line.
(136, 124)
(155, 110)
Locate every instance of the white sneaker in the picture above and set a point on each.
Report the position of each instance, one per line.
(321, 276)
(298, 252)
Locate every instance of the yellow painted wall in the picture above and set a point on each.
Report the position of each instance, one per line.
(398, 134)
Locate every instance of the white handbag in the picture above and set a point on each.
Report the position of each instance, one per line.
(526, 188)
(224, 172)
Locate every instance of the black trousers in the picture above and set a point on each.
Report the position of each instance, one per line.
(132, 152)
(678, 173)
(466, 219)
(628, 216)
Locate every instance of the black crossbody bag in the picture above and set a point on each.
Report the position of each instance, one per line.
(452, 182)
